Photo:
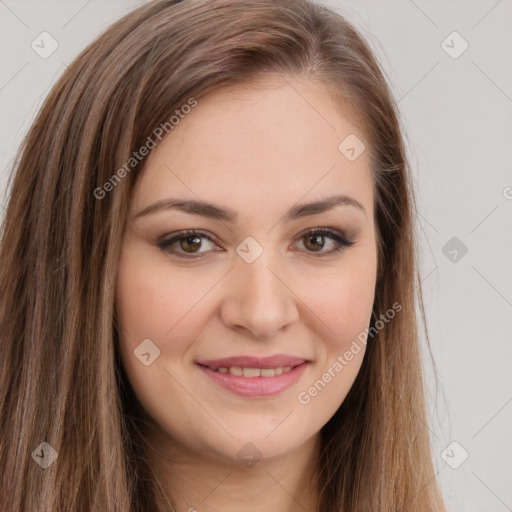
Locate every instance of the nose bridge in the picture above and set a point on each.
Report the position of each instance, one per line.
(260, 300)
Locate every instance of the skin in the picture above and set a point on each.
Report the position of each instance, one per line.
(258, 151)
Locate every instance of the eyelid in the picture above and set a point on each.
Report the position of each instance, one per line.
(167, 240)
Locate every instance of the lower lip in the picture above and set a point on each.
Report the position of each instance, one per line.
(256, 386)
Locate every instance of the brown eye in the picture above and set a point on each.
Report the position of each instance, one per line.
(190, 242)
(314, 241)
(193, 242)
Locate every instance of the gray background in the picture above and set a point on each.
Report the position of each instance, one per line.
(458, 118)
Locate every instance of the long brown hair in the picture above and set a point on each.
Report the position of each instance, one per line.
(62, 381)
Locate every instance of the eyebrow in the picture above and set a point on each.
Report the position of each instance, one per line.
(225, 214)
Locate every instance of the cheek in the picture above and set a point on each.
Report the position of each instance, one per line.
(167, 306)
(342, 299)
(152, 302)
(344, 305)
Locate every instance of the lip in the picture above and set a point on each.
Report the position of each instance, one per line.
(254, 362)
(255, 386)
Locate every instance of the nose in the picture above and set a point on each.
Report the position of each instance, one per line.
(259, 299)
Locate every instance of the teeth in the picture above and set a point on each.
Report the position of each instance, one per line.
(254, 372)
(250, 372)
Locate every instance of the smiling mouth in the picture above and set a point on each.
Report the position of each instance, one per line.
(250, 372)
(251, 381)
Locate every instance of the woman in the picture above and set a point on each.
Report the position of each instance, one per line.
(142, 372)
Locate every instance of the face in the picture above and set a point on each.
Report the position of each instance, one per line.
(253, 281)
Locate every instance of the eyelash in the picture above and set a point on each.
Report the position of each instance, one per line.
(341, 240)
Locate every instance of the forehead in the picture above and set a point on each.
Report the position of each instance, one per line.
(250, 147)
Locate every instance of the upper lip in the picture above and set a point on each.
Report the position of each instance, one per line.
(254, 362)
